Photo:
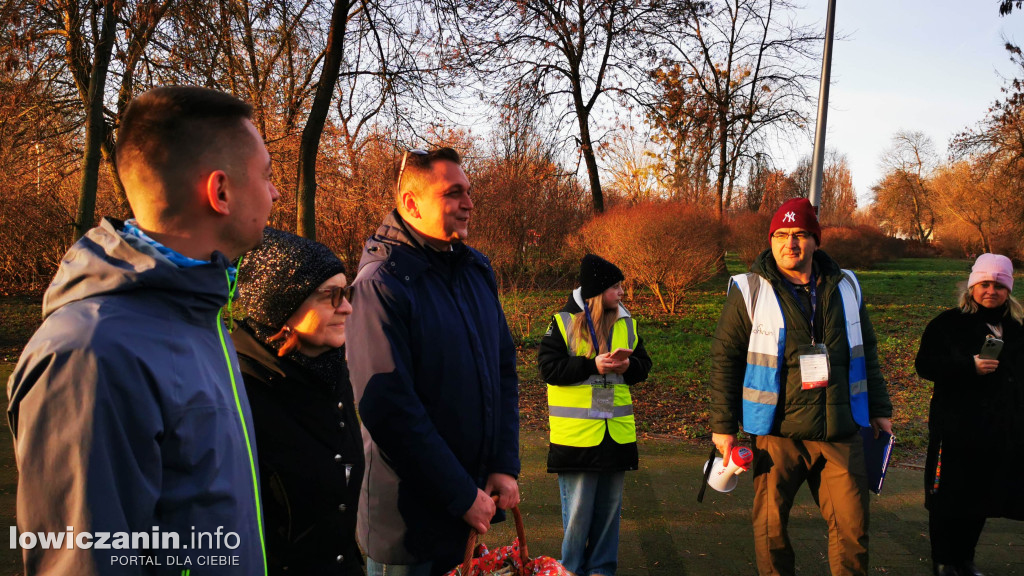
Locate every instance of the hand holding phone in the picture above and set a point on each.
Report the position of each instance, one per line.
(990, 349)
(620, 354)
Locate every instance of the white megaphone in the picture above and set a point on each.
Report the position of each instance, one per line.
(724, 478)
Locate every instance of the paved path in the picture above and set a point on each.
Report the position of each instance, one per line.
(665, 532)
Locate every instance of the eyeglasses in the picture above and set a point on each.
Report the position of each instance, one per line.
(401, 170)
(338, 294)
(800, 236)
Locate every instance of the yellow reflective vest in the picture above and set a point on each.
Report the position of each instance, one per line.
(573, 417)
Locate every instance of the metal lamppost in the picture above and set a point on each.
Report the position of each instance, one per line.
(818, 159)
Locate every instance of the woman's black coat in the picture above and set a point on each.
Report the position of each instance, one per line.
(977, 421)
(311, 462)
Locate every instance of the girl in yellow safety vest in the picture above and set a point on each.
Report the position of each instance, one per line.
(590, 357)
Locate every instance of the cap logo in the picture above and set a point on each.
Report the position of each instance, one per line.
(789, 217)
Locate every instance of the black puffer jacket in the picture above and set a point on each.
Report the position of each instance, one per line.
(978, 421)
(818, 414)
(560, 368)
(311, 461)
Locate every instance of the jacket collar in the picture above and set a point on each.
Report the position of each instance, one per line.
(577, 296)
(825, 267)
(247, 345)
(395, 246)
(106, 261)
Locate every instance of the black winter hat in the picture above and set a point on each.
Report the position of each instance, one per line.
(277, 276)
(597, 275)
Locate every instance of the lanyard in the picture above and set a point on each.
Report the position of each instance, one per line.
(593, 333)
(800, 301)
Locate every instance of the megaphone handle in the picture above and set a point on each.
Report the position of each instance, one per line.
(707, 474)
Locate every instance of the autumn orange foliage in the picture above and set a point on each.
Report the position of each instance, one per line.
(666, 246)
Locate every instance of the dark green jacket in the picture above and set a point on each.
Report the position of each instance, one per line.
(819, 414)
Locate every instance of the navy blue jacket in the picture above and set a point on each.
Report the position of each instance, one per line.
(433, 367)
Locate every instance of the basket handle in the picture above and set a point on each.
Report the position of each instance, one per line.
(524, 555)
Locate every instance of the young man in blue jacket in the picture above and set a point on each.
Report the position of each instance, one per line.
(433, 368)
(132, 432)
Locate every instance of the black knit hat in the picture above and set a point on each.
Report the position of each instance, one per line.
(597, 275)
(277, 276)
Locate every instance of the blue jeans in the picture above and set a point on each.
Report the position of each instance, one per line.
(591, 508)
(374, 568)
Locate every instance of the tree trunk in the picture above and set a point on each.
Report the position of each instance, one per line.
(587, 148)
(305, 203)
(94, 124)
(110, 159)
(723, 147)
(984, 239)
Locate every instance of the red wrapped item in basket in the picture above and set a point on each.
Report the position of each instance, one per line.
(513, 560)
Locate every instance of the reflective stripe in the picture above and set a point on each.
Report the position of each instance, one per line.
(630, 333)
(758, 359)
(760, 396)
(852, 279)
(584, 413)
(601, 380)
(565, 326)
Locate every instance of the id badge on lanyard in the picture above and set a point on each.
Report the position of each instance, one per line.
(813, 357)
(602, 397)
(602, 401)
(813, 366)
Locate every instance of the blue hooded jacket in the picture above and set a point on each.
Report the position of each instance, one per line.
(129, 415)
(432, 364)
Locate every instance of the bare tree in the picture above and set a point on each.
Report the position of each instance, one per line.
(984, 201)
(904, 198)
(998, 140)
(102, 45)
(565, 56)
(310, 144)
(838, 197)
(634, 167)
(94, 125)
(745, 64)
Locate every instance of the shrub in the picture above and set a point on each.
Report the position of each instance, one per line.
(523, 210)
(747, 234)
(666, 246)
(860, 246)
(35, 231)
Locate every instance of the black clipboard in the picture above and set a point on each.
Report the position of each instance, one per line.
(877, 452)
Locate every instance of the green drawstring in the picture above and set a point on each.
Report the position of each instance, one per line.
(248, 442)
(232, 287)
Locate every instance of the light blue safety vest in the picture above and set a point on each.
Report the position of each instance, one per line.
(767, 347)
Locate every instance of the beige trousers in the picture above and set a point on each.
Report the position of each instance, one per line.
(835, 473)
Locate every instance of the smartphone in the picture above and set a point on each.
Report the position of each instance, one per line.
(990, 349)
(620, 354)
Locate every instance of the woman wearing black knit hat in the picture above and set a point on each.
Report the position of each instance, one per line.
(291, 351)
(590, 357)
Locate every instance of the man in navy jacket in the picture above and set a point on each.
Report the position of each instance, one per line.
(433, 369)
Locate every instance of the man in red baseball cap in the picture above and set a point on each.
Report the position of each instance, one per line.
(796, 363)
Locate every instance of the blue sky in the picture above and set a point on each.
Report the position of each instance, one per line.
(908, 64)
